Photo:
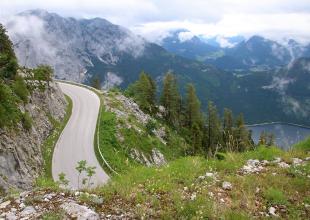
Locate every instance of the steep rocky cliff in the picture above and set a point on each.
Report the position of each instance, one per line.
(20, 149)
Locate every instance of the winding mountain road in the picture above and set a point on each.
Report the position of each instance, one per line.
(76, 142)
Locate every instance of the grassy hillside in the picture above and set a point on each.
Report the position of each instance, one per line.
(121, 132)
(276, 184)
(184, 190)
(264, 183)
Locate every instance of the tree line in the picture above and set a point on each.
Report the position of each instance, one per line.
(207, 133)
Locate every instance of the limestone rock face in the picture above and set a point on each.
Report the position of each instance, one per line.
(156, 158)
(79, 212)
(20, 149)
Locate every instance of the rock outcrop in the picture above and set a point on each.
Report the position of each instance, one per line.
(20, 149)
(156, 158)
(132, 117)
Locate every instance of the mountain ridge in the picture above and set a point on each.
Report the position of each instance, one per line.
(83, 50)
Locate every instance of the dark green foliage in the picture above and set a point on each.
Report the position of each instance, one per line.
(241, 135)
(20, 89)
(13, 87)
(8, 63)
(220, 156)
(44, 75)
(96, 82)
(196, 138)
(150, 126)
(144, 93)
(171, 99)
(213, 131)
(9, 113)
(27, 121)
(205, 135)
(193, 112)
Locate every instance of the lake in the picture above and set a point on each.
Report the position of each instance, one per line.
(286, 135)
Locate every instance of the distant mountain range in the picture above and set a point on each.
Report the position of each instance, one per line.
(236, 53)
(258, 77)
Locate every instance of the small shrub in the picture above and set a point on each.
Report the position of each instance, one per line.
(220, 156)
(304, 145)
(53, 215)
(46, 183)
(27, 121)
(275, 196)
(150, 126)
(20, 89)
(264, 153)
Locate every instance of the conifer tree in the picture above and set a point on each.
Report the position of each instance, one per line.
(96, 82)
(271, 139)
(262, 138)
(193, 114)
(196, 138)
(144, 92)
(228, 124)
(152, 93)
(241, 134)
(213, 134)
(171, 99)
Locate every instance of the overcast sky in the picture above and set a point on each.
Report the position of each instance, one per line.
(275, 19)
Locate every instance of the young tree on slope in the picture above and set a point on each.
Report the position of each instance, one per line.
(241, 135)
(213, 131)
(192, 107)
(171, 99)
(228, 124)
(143, 92)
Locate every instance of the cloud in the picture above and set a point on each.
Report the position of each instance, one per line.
(36, 37)
(279, 84)
(111, 80)
(276, 19)
(185, 36)
(279, 27)
(224, 42)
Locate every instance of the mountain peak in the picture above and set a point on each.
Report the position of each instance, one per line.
(35, 12)
(256, 38)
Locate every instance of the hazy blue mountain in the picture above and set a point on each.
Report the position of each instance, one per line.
(183, 43)
(236, 53)
(258, 51)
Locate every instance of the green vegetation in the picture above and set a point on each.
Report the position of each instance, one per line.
(16, 84)
(206, 134)
(275, 196)
(304, 145)
(89, 170)
(118, 137)
(27, 121)
(177, 191)
(53, 215)
(49, 143)
(144, 92)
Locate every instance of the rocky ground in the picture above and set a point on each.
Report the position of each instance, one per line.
(64, 204)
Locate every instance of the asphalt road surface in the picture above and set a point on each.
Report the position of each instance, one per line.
(76, 142)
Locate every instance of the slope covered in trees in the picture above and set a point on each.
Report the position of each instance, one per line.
(207, 134)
